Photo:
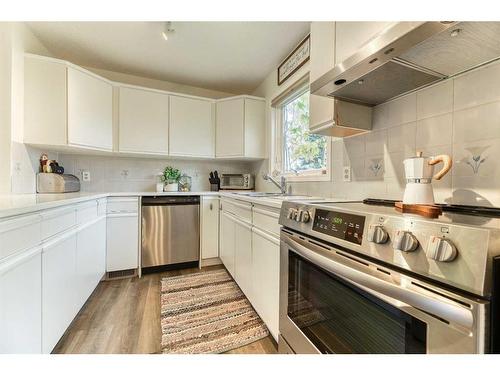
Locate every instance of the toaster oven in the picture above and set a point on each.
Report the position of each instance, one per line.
(237, 181)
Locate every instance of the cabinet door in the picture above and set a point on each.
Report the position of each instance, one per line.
(44, 102)
(143, 121)
(227, 241)
(59, 292)
(243, 257)
(21, 304)
(90, 258)
(255, 128)
(322, 49)
(90, 110)
(122, 244)
(322, 60)
(265, 271)
(230, 128)
(192, 131)
(351, 36)
(209, 227)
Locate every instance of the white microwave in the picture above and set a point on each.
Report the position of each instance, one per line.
(237, 181)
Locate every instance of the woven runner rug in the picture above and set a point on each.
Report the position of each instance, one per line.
(206, 313)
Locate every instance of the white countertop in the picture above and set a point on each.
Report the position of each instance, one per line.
(18, 204)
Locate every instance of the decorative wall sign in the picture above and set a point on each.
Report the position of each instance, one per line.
(293, 62)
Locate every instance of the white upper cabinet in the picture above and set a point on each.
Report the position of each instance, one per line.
(66, 106)
(192, 131)
(240, 127)
(143, 121)
(321, 111)
(45, 102)
(322, 49)
(351, 36)
(90, 110)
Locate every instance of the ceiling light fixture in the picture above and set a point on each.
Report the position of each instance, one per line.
(168, 30)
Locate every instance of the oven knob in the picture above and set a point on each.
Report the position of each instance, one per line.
(405, 241)
(292, 212)
(306, 216)
(298, 216)
(441, 249)
(377, 234)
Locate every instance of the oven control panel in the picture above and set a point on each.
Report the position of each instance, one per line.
(341, 225)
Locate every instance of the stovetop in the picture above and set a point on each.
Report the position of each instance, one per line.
(455, 249)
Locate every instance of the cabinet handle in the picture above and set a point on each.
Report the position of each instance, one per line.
(211, 206)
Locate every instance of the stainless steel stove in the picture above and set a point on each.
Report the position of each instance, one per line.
(363, 278)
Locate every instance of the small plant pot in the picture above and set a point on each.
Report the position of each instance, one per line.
(171, 187)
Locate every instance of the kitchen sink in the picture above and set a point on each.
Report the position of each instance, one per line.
(277, 196)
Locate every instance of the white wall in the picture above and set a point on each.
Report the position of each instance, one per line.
(160, 85)
(5, 105)
(24, 164)
(459, 117)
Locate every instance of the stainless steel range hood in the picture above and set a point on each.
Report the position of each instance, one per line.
(408, 56)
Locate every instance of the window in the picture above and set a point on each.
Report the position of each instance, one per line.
(304, 156)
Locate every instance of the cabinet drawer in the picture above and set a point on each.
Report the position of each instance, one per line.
(57, 220)
(19, 233)
(86, 212)
(126, 204)
(266, 219)
(242, 210)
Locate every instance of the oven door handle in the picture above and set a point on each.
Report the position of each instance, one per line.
(434, 305)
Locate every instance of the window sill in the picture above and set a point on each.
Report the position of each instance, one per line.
(307, 177)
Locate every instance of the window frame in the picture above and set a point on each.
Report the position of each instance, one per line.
(278, 149)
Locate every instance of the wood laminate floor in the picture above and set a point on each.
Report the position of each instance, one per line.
(123, 317)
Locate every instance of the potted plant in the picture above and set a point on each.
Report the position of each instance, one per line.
(171, 178)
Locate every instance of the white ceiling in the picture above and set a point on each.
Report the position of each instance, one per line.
(227, 56)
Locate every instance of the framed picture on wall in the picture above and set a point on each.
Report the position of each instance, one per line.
(294, 61)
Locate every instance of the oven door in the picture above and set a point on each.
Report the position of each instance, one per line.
(334, 302)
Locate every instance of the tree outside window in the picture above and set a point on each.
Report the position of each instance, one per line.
(302, 151)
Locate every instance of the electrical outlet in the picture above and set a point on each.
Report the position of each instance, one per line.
(86, 175)
(346, 174)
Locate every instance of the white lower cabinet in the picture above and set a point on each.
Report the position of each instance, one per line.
(243, 257)
(209, 227)
(265, 278)
(227, 238)
(251, 254)
(21, 303)
(60, 283)
(122, 242)
(90, 258)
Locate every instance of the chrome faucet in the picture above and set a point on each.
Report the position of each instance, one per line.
(281, 184)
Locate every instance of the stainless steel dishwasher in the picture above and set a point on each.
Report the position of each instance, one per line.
(170, 232)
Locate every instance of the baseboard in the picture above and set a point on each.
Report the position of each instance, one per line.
(210, 262)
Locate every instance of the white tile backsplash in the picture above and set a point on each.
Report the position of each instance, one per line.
(477, 123)
(119, 174)
(402, 110)
(435, 100)
(434, 131)
(402, 138)
(477, 87)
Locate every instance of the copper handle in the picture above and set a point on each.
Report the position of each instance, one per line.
(447, 163)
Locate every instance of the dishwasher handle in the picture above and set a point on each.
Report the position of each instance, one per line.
(159, 200)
